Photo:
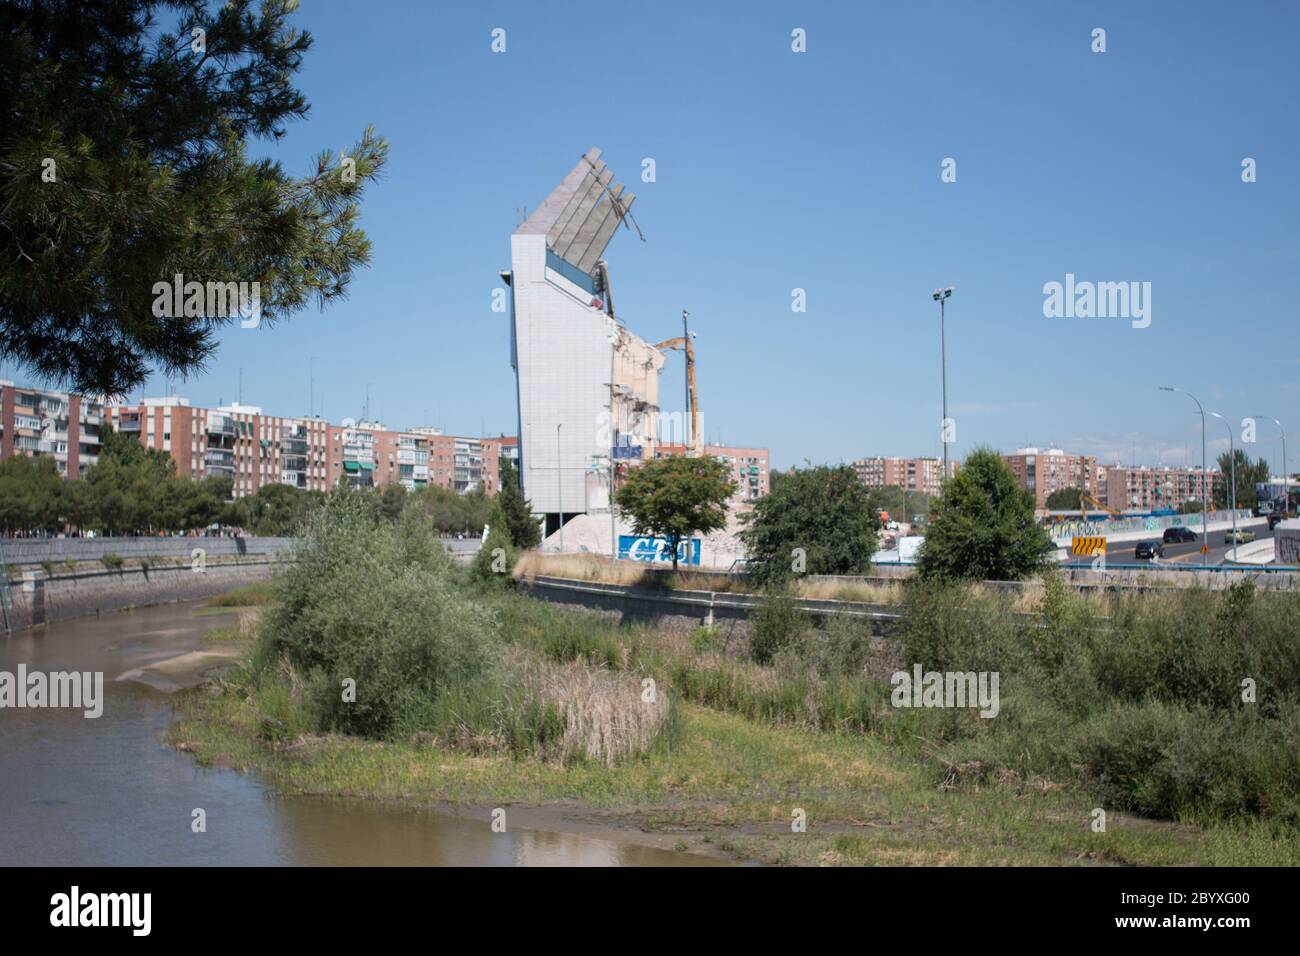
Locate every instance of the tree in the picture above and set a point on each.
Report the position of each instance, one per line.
(982, 525)
(496, 557)
(675, 498)
(124, 165)
(31, 494)
(825, 511)
(901, 503)
(278, 510)
(1064, 499)
(1249, 472)
(518, 513)
(390, 500)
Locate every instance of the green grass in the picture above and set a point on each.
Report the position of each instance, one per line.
(732, 782)
(750, 745)
(248, 595)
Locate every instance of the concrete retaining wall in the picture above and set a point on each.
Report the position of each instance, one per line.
(31, 551)
(42, 599)
(728, 611)
(18, 551)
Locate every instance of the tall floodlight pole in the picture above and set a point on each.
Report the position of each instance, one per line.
(559, 483)
(941, 296)
(1232, 465)
(686, 381)
(1205, 472)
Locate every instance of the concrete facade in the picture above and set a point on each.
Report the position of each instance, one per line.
(914, 474)
(38, 423)
(1145, 489)
(1043, 471)
(585, 382)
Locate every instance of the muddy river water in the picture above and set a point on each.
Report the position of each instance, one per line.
(110, 791)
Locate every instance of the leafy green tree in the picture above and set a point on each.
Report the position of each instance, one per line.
(278, 510)
(1064, 499)
(823, 510)
(524, 530)
(900, 503)
(675, 498)
(31, 494)
(982, 525)
(496, 557)
(125, 163)
(452, 513)
(1249, 472)
(390, 500)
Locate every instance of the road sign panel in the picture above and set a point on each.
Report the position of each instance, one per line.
(1088, 545)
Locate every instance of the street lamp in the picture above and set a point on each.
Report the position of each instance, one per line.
(1283, 431)
(1205, 505)
(1232, 464)
(559, 483)
(941, 296)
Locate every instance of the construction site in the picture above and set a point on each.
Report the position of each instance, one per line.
(587, 385)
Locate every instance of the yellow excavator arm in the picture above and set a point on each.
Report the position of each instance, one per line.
(683, 344)
(1086, 499)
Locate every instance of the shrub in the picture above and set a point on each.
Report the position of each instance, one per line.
(496, 558)
(982, 526)
(112, 561)
(374, 602)
(774, 623)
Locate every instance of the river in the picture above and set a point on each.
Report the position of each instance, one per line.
(109, 791)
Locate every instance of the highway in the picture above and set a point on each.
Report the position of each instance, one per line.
(1189, 553)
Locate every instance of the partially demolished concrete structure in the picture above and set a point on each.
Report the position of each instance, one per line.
(588, 388)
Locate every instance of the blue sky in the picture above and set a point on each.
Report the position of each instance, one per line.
(821, 171)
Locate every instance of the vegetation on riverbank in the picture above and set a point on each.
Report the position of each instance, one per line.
(1139, 710)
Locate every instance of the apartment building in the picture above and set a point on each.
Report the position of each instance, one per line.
(1043, 471)
(255, 449)
(913, 474)
(234, 441)
(38, 422)
(1133, 488)
(749, 466)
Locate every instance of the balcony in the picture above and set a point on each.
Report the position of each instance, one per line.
(128, 423)
(220, 425)
(219, 460)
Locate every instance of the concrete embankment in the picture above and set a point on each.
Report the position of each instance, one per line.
(41, 598)
(727, 611)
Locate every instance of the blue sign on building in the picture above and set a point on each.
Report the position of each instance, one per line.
(633, 548)
(623, 448)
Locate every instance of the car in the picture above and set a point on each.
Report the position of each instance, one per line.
(1148, 550)
(1242, 536)
(1179, 535)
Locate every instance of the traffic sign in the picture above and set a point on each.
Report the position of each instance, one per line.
(1088, 545)
(1205, 549)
